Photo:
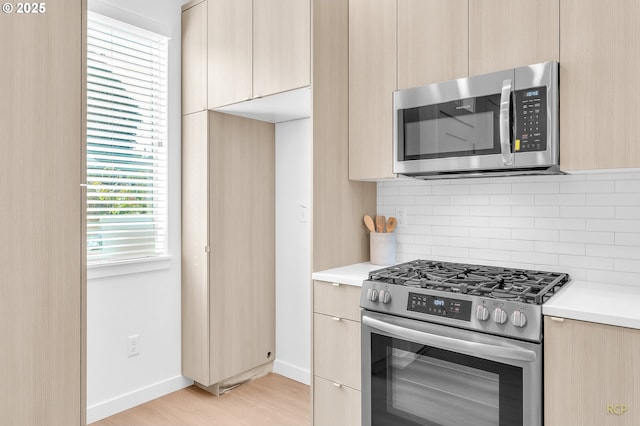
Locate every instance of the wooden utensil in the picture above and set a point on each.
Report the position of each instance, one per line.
(380, 223)
(369, 223)
(391, 224)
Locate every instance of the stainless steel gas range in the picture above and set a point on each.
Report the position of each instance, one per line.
(450, 344)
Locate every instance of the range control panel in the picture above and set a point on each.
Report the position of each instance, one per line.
(441, 306)
(531, 119)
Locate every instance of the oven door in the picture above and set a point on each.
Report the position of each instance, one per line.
(419, 373)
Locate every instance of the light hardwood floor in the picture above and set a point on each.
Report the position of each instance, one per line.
(272, 400)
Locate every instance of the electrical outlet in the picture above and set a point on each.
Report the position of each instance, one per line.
(133, 345)
(303, 213)
(401, 216)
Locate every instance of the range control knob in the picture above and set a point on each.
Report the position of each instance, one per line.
(385, 296)
(499, 316)
(372, 295)
(482, 313)
(518, 319)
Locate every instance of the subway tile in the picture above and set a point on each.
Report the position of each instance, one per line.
(511, 222)
(560, 223)
(560, 199)
(627, 239)
(560, 248)
(414, 229)
(490, 233)
(383, 191)
(453, 231)
(414, 190)
(535, 211)
(488, 254)
(535, 258)
(535, 234)
(450, 189)
(512, 200)
(588, 212)
(613, 225)
(617, 199)
(432, 200)
(434, 240)
(490, 189)
(558, 178)
(535, 188)
(586, 262)
(432, 220)
(586, 187)
(405, 238)
(398, 200)
(619, 252)
(587, 237)
(451, 210)
(470, 221)
(573, 272)
(498, 211)
(513, 179)
(618, 174)
(613, 277)
(628, 186)
(469, 242)
(460, 252)
(627, 265)
(628, 212)
(470, 200)
(512, 245)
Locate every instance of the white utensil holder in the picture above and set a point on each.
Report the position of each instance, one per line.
(382, 247)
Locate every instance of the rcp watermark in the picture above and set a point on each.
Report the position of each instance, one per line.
(24, 8)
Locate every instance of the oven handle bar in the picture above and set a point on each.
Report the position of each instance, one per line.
(464, 346)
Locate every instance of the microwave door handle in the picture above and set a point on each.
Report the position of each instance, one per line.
(451, 344)
(505, 128)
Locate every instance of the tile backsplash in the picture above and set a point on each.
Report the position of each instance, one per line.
(585, 224)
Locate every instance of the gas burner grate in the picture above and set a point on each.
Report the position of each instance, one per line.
(528, 286)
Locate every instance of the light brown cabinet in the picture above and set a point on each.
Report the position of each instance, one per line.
(506, 34)
(228, 244)
(194, 57)
(336, 354)
(372, 80)
(433, 52)
(43, 222)
(599, 84)
(591, 374)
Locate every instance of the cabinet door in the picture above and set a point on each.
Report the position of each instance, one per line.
(336, 349)
(591, 374)
(242, 229)
(229, 51)
(194, 58)
(338, 300)
(599, 84)
(511, 33)
(372, 80)
(433, 41)
(281, 45)
(195, 240)
(335, 404)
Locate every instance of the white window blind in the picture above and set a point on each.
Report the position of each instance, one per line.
(126, 141)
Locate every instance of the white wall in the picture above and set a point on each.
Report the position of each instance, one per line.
(144, 303)
(585, 224)
(293, 249)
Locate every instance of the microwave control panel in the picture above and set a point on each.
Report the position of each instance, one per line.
(530, 119)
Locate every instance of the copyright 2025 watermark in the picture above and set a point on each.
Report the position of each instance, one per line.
(24, 8)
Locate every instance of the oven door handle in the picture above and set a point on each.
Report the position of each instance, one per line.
(448, 343)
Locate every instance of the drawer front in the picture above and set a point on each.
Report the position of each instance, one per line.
(336, 300)
(335, 405)
(336, 349)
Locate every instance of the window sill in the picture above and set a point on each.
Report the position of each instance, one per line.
(127, 267)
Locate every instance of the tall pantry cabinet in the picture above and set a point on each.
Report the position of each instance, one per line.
(42, 219)
(228, 227)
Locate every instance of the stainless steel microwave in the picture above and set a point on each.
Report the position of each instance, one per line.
(502, 123)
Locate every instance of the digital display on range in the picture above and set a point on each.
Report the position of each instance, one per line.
(440, 306)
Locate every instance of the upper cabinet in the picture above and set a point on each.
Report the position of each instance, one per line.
(506, 34)
(433, 41)
(599, 58)
(229, 51)
(281, 46)
(236, 50)
(372, 80)
(194, 57)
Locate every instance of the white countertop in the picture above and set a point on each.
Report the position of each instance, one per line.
(594, 302)
(351, 274)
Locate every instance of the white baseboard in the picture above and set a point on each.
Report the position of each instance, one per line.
(292, 371)
(123, 402)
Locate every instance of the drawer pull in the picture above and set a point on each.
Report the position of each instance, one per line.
(556, 319)
(336, 284)
(336, 318)
(338, 385)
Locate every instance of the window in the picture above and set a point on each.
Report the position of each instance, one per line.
(126, 142)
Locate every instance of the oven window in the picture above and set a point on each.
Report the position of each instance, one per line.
(452, 129)
(413, 384)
